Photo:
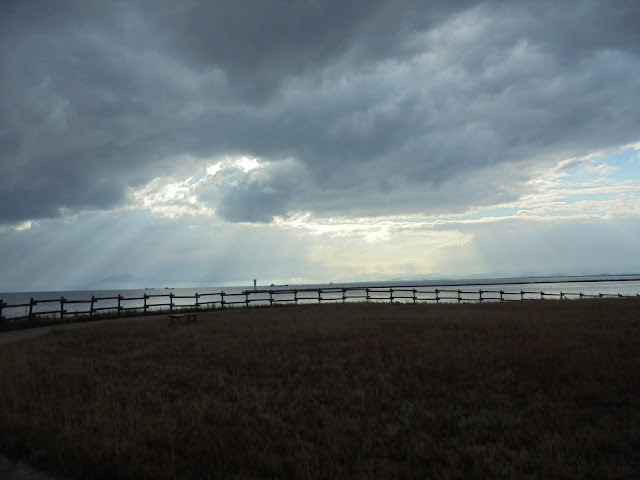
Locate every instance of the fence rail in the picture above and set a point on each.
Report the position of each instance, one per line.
(152, 302)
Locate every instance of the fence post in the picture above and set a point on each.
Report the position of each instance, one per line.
(391, 295)
(501, 296)
(222, 300)
(246, 298)
(295, 296)
(171, 301)
(541, 295)
(480, 296)
(459, 297)
(271, 298)
(93, 300)
(368, 297)
(521, 295)
(580, 295)
(32, 302)
(197, 301)
(62, 300)
(344, 295)
(2, 305)
(319, 296)
(414, 296)
(119, 304)
(437, 297)
(145, 296)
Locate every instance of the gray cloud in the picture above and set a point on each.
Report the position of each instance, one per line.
(259, 196)
(258, 44)
(378, 106)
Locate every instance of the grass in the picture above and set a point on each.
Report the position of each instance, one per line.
(528, 389)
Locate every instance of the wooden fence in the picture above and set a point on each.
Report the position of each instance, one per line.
(153, 302)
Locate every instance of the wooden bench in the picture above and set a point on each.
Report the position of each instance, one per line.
(188, 317)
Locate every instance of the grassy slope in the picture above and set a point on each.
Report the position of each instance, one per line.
(524, 389)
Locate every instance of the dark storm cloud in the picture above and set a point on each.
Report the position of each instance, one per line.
(374, 105)
(258, 43)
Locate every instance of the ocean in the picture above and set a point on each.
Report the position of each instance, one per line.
(17, 303)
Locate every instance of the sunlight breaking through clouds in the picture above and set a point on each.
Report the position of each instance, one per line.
(321, 140)
(172, 198)
(169, 199)
(576, 188)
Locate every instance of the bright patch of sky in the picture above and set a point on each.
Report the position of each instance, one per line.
(169, 197)
(213, 169)
(597, 184)
(247, 164)
(600, 184)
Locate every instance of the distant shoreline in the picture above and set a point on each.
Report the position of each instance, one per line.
(399, 282)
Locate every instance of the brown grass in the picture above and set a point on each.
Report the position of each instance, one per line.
(533, 389)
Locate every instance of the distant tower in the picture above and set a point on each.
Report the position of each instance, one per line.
(254, 284)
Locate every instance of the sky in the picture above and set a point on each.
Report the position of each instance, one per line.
(201, 143)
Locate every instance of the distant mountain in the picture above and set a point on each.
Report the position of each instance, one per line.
(498, 276)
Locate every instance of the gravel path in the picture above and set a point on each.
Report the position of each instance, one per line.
(27, 333)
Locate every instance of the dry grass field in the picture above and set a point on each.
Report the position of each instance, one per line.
(531, 389)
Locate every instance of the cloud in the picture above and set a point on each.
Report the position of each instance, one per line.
(245, 191)
(601, 169)
(351, 108)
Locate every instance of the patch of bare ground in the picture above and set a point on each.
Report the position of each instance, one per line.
(532, 389)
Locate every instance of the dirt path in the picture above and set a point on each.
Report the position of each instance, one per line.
(28, 333)
(18, 471)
